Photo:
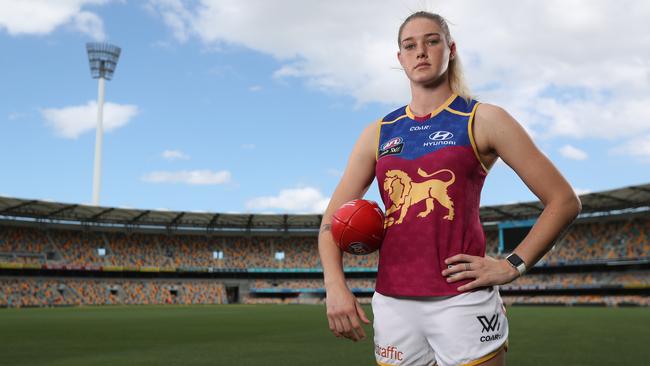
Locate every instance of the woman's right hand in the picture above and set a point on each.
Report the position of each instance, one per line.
(344, 314)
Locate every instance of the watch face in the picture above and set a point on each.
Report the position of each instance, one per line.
(515, 260)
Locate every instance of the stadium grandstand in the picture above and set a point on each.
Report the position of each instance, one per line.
(57, 254)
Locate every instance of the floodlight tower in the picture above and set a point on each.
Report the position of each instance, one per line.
(103, 60)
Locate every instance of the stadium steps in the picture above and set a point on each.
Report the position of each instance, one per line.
(120, 296)
(109, 252)
(58, 257)
(78, 299)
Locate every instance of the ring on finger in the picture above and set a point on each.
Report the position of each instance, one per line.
(468, 267)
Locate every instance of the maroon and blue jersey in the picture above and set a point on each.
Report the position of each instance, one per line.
(430, 179)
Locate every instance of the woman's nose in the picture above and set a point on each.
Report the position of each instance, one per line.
(421, 51)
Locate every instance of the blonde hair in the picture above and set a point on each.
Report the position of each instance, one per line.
(455, 73)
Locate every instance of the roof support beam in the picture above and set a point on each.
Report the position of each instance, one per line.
(56, 212)
(15, 207)
(502, 212)
(249, 224)
(530, 205)
(176, 219)
(641, 189)
(97, 216)
(137, 218)
(606, 196)
(214, 220)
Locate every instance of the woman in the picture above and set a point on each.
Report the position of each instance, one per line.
(435, 300)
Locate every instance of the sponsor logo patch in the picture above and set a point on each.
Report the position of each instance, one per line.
(393, 146)
(389, 352)
(491, 324)
(419, 128)
(440, 138)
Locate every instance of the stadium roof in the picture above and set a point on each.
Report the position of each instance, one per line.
(600, 203)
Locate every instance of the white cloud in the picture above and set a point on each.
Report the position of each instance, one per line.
(248, 146)
(44, 16)
(550, 71)
(191, 177)
(89, 23)
(572, 152)
(638, 147)
(71, 122)
(175, 155)
(294, 200)
(255, 88)
(174, 15)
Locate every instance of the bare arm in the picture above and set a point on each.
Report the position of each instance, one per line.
(499, 135)
(343, 310)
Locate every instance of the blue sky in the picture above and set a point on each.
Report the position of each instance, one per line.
(253, 106)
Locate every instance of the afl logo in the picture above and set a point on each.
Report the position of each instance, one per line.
(441, 136)
(391, 143)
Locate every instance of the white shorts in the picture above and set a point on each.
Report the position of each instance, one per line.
(465, 329)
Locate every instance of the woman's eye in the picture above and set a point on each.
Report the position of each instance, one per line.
(433, 41)
(409, 46)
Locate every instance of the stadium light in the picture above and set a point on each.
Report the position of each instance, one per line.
(103, 60)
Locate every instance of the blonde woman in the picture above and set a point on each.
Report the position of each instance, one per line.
(436, 301)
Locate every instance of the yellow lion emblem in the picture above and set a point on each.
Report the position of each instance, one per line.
(404, 193)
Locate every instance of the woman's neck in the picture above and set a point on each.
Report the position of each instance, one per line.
(426, 99)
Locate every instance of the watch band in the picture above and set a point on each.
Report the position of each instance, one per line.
(517, 262)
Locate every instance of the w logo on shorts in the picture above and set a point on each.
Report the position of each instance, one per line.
(489, 325)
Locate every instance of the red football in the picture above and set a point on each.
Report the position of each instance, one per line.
(358, 227)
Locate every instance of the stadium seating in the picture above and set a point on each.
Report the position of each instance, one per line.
(25, 292)
(30, 248)
(624, 239)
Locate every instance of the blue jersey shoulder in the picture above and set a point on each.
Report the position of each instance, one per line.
(394, 114)
(460, 104)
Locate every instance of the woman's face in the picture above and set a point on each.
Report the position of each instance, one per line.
(424, 52)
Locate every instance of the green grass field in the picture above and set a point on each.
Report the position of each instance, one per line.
(290, 335)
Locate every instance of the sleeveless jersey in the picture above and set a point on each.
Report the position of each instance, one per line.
(430, 179)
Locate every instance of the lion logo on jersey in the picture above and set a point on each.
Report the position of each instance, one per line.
(404, 193)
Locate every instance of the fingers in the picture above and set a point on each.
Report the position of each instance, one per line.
(463, 267)
(357, 331)
(347, 324)
(362, 314)
(344, 328)
(452, 270)
(460, 258)
(472, 285)
(332, 326)
(462, 275)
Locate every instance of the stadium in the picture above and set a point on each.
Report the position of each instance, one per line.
(86, 257)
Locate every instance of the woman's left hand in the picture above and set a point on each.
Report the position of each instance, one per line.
(486, 271)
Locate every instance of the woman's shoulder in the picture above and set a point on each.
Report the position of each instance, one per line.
(490, 113)
(494, 125)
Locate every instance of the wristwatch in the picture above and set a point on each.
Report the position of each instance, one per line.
(517, 262)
